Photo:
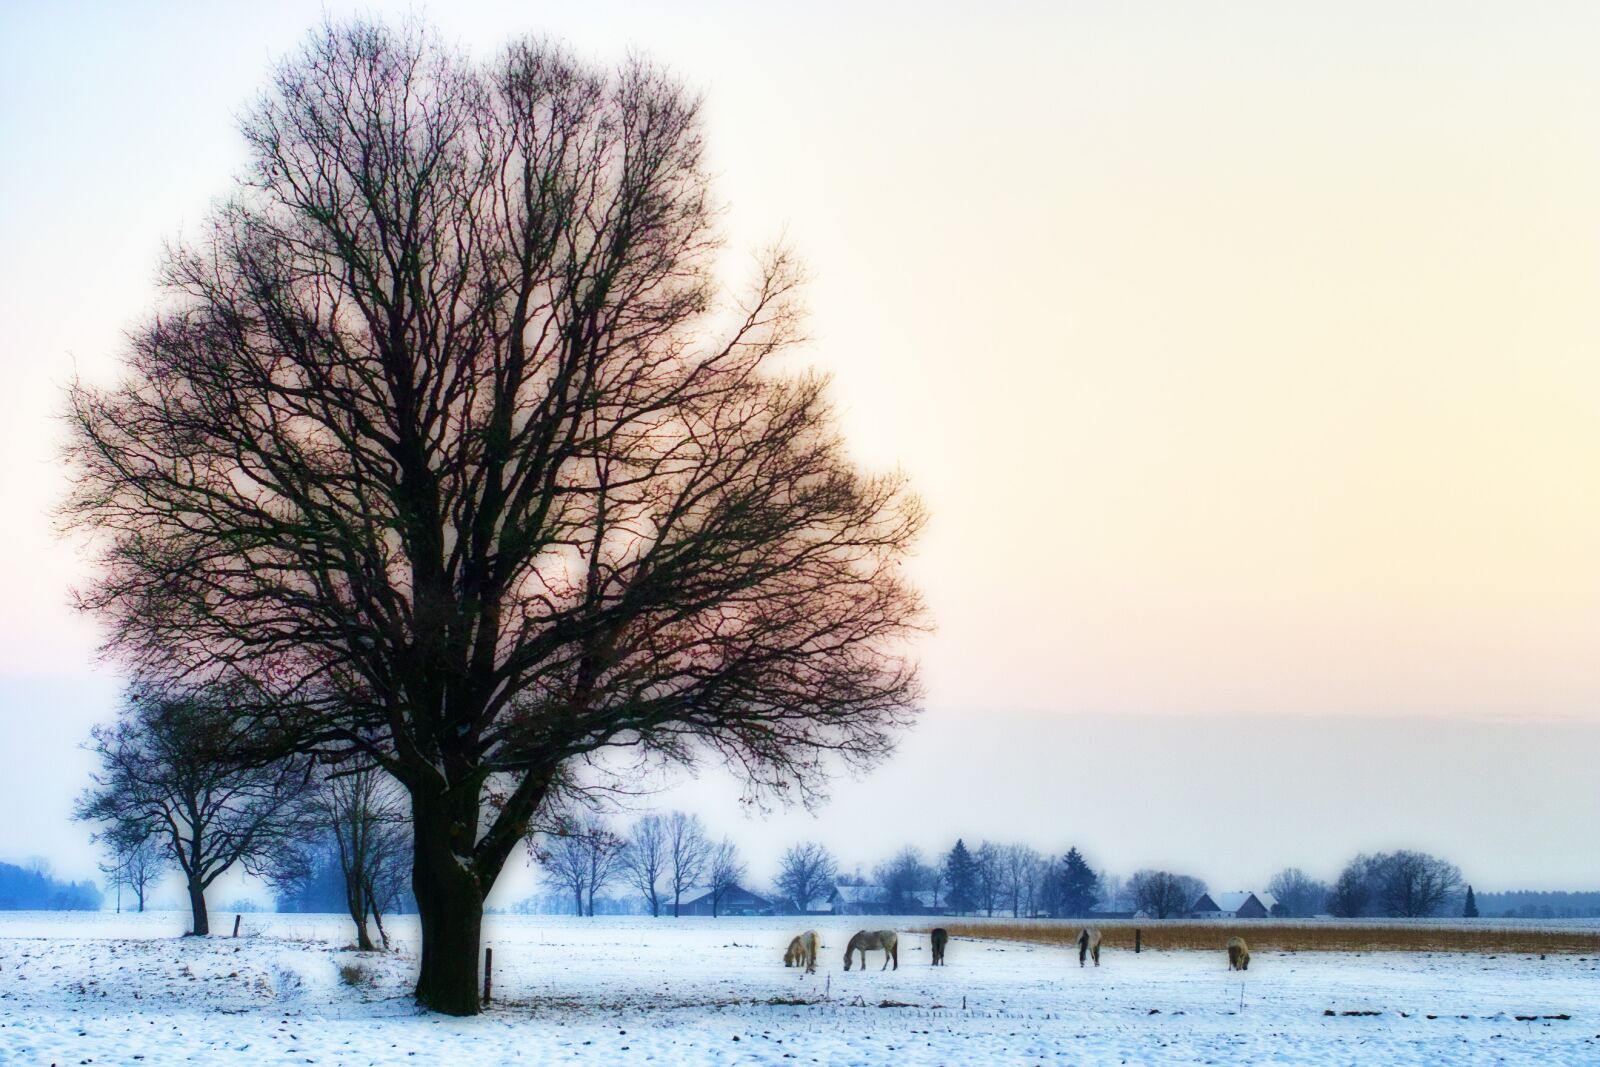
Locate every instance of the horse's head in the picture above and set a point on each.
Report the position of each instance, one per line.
(849, 950)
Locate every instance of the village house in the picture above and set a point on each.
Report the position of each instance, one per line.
(1242, 904)
(735, 901)
(875, 900)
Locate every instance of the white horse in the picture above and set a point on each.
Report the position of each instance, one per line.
(886, 940)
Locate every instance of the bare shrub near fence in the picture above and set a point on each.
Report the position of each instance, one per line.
(1296, 937)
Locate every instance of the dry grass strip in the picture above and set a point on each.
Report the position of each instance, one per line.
(1277, 936)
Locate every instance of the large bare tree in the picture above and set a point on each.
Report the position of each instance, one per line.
(448, 438)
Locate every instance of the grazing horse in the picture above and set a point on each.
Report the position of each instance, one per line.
(874, 939)
(941, 937)
(1238, 954)
(1088, 945)
(802, 950)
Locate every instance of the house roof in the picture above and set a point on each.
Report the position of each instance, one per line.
(738, 891)
(1232, 902)
(862, 894)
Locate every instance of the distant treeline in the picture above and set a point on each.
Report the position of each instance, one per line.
(319, 884)
(1528, 904)
(32, 888)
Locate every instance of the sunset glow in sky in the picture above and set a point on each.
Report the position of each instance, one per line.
(1246, 355)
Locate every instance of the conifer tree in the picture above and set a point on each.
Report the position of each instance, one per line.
(1471, 909)
(1077, 884)
(961, 875)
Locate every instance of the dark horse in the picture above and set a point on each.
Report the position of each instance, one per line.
(941, 937)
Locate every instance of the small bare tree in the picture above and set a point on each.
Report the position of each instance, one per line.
(806, 874)
(724, 871)
(687, 851)
(1162, 894)
(136, 860)
(1300, 895)
(902, 877)
(987, 870)
(164, 773)
(644, 861)
(370, 828)
(582, 856)
(1020, 868)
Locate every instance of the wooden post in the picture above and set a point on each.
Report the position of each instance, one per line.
(1136, 939)
(236, 919)
(488, 980)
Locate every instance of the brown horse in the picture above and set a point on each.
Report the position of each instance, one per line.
(940, 937)
(802, 950)
(1088, 945)
(886, 940)
(1238, 954)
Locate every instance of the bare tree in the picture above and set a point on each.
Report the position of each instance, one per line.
(369, 827)
(450, 441)
(1352, 891)
(1300, 895)
(136, 860)
(724, 871)
(903, 877)
(582, 856)
(1162, 894)
(161, 775)
(806, 874)
(1020, 868)
(644, 860)
(687, 851)
(603, 851)
(986, 868)
(1414, 885)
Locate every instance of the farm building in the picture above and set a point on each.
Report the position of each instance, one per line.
(876, 900)
(1239, 905)
(735, 901)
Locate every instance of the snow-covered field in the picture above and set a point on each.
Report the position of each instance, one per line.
(108, 989)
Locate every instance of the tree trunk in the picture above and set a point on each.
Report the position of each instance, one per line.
(450, 908)
(356, 904)
(197, 904)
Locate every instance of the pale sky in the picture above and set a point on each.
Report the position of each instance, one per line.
(1247, 356)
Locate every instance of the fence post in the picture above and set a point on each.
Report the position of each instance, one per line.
(236, 919)
(1136, 939)
(488, 979)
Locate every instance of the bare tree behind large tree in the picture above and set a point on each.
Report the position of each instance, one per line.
(724, 871)
(687, 852)
(161, 777)
(136, 859)
(583, 856)
(449, 441)
(644, 860)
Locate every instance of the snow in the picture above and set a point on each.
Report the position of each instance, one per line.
(109, 989)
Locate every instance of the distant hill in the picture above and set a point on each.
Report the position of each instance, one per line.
(33, 889)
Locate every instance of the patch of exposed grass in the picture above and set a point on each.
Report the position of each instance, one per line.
(1279, 936)
(355, 975)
